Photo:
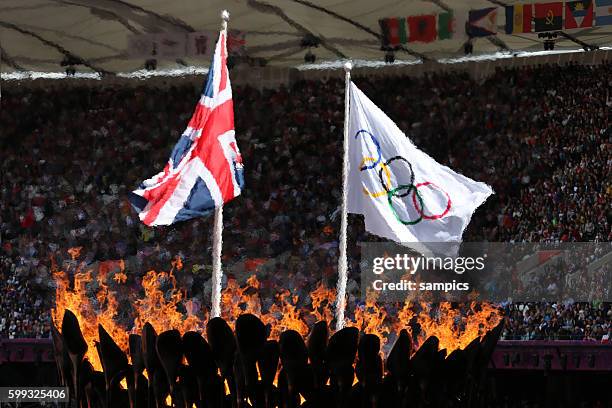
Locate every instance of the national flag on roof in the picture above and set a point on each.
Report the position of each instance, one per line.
(422, 28)
(548, 16)
(394, 31)
(603, 12)
(446, 25)
(519, 18)
(483, 22)
(579, 14)
(205, 168)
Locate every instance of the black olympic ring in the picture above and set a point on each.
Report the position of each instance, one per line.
(382, 181)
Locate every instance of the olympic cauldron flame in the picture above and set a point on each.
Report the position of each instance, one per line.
(165, 355)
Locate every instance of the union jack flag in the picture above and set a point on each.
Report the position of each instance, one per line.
(205, 168)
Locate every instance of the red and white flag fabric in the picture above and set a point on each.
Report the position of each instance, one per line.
(403, 194)
(205, 168)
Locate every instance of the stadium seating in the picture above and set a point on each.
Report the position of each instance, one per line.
(539, 135)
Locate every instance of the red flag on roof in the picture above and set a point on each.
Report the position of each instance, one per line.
(422, 28)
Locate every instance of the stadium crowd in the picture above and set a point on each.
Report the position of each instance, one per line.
(539, 135)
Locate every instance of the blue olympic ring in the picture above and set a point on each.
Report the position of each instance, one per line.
(371, 166)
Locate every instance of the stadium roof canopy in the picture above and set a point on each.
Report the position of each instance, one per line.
(37, 35)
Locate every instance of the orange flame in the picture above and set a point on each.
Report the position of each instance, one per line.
(93, 303)
(284, 314)
(75, 252)
(160, 307)
(96, 301)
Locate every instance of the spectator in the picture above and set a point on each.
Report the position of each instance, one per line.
(71, 156)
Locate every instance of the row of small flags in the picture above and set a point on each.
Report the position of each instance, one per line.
(425, 28)
(520, 18)
(523, 18)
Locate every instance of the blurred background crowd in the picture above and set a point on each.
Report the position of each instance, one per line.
(538, 135)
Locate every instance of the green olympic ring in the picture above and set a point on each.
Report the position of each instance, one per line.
(410, 187)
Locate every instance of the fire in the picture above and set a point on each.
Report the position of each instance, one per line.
(258, 372)
(322, 301)
(75, 252)
(102, 297)
(455, 327)
(120, 277)
(236, 300)
(93, 302)
(372, 318)
(161, 307)
(284, 314)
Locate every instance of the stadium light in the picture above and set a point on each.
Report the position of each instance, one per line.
(549, 42)
(70, 60)
(309, 57)
(390, 57)
(549, 45)
(309, 41)
(151, 64)
(468, 48)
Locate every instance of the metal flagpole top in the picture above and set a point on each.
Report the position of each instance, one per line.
(225, 15)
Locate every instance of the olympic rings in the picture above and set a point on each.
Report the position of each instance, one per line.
(421, 210)
(390, 195)
(377, 149)
(394, 192)
(387, 173)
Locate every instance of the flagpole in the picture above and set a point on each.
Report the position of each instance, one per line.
(216, 262)
(217, 273)
(342, 262)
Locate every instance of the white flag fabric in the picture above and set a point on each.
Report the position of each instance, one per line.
(403, 194)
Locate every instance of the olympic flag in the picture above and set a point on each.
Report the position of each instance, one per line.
(403, 194)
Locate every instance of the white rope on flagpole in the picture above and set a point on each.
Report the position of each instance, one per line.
(342, 262)
(216, 262)
(217, 273)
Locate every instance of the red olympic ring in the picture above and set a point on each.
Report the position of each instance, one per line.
(421, 211)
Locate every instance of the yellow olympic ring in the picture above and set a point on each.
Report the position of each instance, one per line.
(387, 173)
